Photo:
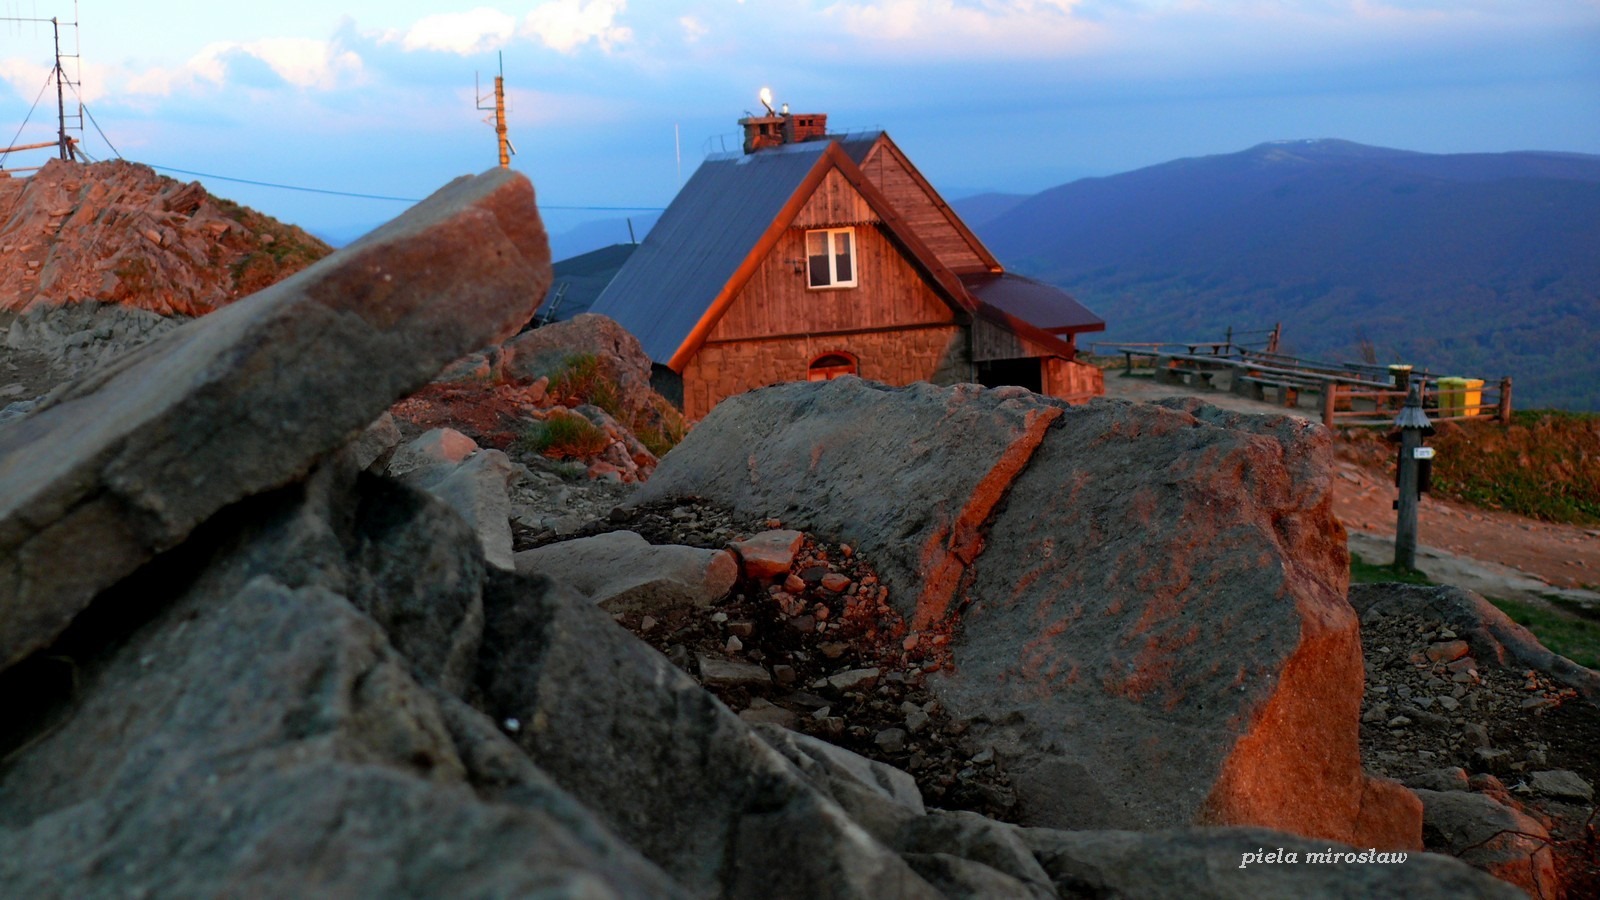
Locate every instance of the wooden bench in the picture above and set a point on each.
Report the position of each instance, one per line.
(1288, 389)
(1173, 370)
(1175, 375)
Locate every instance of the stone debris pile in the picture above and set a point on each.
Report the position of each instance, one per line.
(1500, 752)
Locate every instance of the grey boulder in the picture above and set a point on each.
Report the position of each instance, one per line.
(621, 572)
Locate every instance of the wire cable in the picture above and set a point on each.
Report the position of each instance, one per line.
(26, 118)
(284, 187)
(309, 190)
(97, 130)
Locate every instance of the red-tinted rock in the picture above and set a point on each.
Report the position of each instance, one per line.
(1151, 597)
(833, 581)
(769, 554)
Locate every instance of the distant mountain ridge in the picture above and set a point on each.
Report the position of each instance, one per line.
(1478, 264)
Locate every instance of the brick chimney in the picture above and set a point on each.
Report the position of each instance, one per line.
(761, 132)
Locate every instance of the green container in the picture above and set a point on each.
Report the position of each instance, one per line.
(1460, 396)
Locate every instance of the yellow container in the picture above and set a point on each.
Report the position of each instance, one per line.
(1460, 396)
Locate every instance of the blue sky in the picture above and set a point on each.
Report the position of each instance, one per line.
(1013, 95)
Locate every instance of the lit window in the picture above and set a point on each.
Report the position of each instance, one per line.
(831, 258)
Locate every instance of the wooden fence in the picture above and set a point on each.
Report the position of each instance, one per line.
(1345, 406)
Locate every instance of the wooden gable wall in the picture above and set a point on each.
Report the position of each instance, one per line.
(835, 202)
(890, 291)
(890, 174)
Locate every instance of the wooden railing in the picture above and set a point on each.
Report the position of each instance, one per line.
(1451, 404)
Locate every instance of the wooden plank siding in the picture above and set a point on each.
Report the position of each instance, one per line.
(776, 301)
(836, 202)
(891, 174)
(991, 342)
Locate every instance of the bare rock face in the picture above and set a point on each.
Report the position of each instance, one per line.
(1492, 836)
(119, 233)
(1153, 628)
(119, 462)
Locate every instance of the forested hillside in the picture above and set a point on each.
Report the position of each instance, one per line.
(1472, 264)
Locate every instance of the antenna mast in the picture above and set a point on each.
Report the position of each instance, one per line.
(66, 147)
(499, 107)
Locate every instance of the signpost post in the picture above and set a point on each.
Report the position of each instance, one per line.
(1414, 425)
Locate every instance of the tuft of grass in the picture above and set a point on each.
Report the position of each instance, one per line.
(563, 436)
(582, 376)
(1545, 465)
(1362, 572)
(1575, 638)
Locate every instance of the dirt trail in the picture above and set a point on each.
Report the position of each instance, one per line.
(1494, 553)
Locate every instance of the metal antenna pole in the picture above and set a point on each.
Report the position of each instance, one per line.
(500, 121)
(61, 95)
(506, 150)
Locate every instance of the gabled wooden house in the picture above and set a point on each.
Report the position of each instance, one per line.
(812, 255)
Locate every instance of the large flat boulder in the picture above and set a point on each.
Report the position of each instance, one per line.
(127, 462)
(1147, 602)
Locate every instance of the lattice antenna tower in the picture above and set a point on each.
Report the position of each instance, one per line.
(498, 120)
(67, 147)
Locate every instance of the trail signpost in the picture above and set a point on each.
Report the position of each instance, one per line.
(1414, 426)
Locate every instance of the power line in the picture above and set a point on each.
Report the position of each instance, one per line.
(26, 118)
(311, 190)
(284, 187)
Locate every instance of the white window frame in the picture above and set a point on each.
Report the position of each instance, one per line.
(834, 281)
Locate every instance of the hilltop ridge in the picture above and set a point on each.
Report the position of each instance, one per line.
(118, 232)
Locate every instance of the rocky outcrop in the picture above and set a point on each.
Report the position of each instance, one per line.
(312, 682)
(577, 390)
(118, 462)
(546, 352)
(1151, 600)
(1488, 634)
(117, 232)
(81, 336)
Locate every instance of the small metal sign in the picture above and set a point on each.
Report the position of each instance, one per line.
(1422, 453)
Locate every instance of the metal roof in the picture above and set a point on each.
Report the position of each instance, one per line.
(576, 282)
(664, 289)
(1041, 305)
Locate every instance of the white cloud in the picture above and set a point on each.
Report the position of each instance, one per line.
(693, 29)
(954, 27)
(565, 25)
(302, 62)
(25, 76)
(466, 33)
(299, 62)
